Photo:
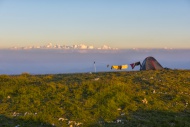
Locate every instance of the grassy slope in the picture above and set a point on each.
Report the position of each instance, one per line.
(29, 100)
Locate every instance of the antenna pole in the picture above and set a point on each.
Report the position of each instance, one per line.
(94, 67)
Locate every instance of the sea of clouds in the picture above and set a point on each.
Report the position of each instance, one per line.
(47, 61)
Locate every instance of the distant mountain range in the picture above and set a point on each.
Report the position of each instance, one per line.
(80, 46)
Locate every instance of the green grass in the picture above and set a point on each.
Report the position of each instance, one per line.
(110, 99)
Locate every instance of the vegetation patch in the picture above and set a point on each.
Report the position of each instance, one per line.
(111, 99)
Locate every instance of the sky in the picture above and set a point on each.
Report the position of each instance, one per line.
(117, 23)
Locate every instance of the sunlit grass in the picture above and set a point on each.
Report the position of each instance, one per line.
(144, 98)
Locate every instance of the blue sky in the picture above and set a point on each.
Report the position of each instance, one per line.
(117, 23)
